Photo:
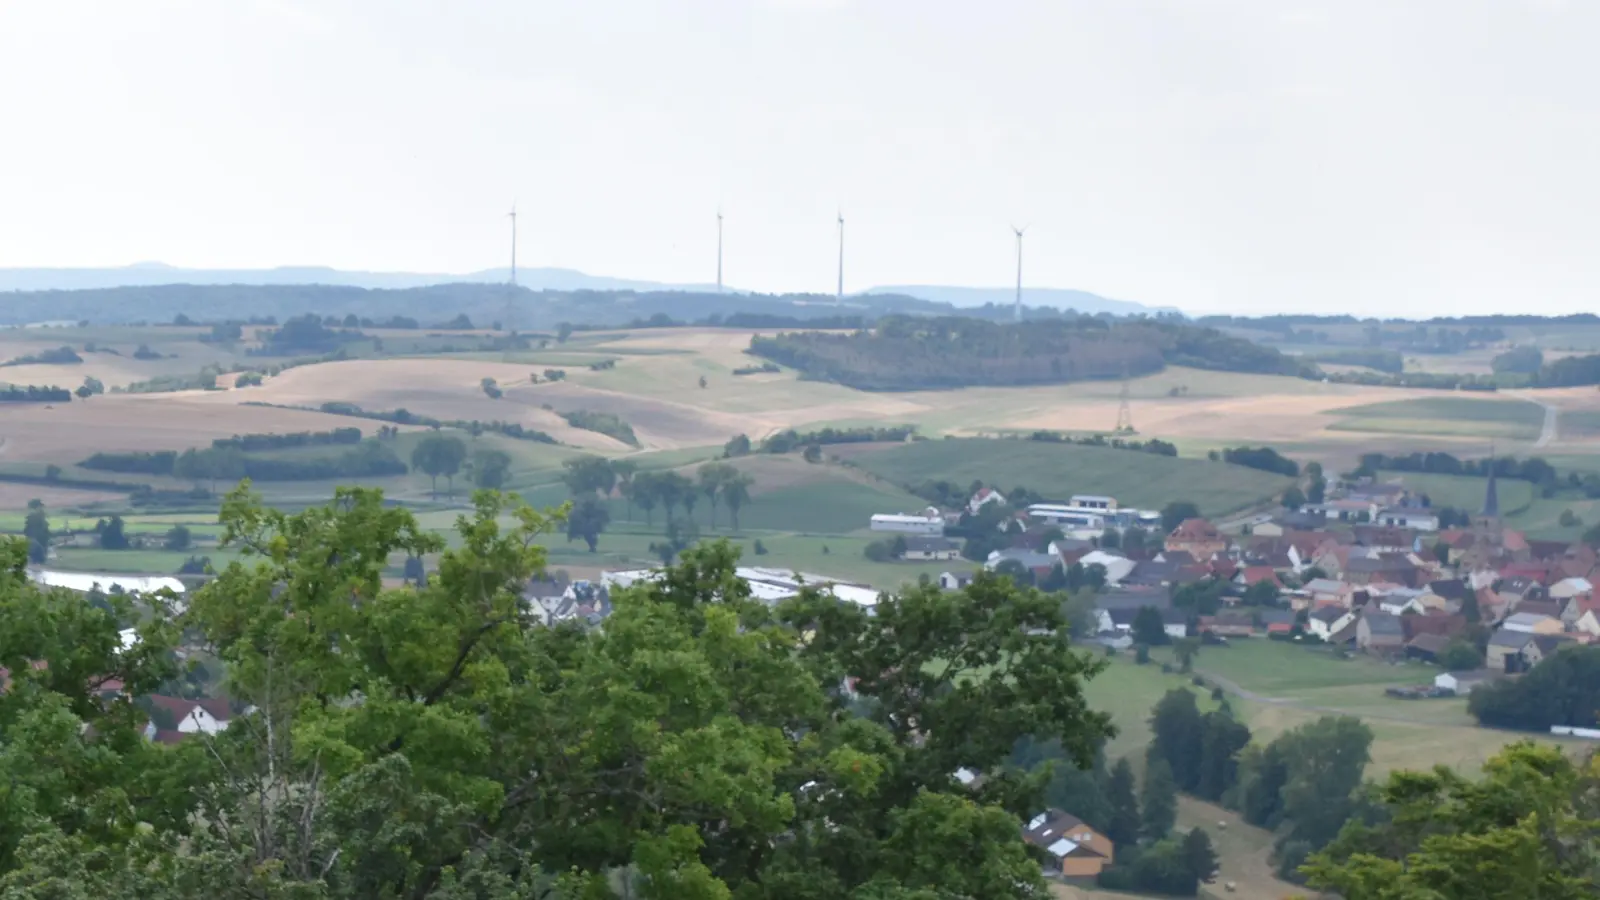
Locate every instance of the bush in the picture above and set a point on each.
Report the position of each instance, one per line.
(57, 356)
(607, 424)
(34, 393)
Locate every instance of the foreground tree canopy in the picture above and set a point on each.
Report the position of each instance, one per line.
(430, 742)
(1529, 828)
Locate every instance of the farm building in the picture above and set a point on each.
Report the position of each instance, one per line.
(1078, 850)
(900, 523)
(923, 546)
(1417, 519)
(84, 582)
(1464, 682)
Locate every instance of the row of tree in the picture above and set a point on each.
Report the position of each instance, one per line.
(1303, 785)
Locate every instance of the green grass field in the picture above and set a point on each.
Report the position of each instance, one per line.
(1310, 683)
(1521, 505)
(1445, 416)
(1061, 470)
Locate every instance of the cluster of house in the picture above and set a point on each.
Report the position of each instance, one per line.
(1083, 516)
(1381, 503)
(1381, 584)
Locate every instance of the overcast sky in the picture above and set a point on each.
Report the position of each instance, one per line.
(1369, 156)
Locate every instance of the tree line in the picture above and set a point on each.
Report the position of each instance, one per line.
(912, 353)
(1154, 446)
(33, 393)
(789, 440)
(1302, 786)
(590, 479)
(609, 424)
(410, 755)
(270, 441)
(1563, 689)
(1264, 459)
(403, 416)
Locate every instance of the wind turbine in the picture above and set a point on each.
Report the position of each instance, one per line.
(719, 249)
(513, 215)
(511, 294)
(839, 296)
(1016, 310)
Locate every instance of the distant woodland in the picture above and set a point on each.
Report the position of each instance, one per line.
(913, 353)
(481, 303)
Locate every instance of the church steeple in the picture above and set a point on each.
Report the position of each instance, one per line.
(1491, 497)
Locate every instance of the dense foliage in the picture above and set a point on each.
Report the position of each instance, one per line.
(1377, 358)
(1518, 361)
(789, 440)
(609, 424)
(33, 393)
(908, 353)
(1529, 828)
(431, 741)
(53, 356)
(1563, 689)
(250, 442)
(1264, 458)
(1152, 445)
(306, 335)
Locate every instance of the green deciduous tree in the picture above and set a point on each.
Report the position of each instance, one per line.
(1528, 828)
(490, 468)
(1148, 628)
(439, 454)
(177, 538)
(1202, 857)
(586, 520)
(735, 494)
(1174, 513)
(1177, 735)
(1123, 827)
(1158, 800)
(435, 743)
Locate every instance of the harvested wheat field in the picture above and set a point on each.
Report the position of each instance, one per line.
(445, 389)
(64, 433)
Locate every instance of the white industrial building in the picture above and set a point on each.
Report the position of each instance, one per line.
(768, 585)
(899, 523)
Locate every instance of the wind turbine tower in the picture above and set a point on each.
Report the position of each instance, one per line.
(839, 295)
(511, 288)
(513, 245)
(719, 250)
(1016, 311)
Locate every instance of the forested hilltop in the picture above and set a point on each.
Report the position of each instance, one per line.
(481, 303)
(910, 353)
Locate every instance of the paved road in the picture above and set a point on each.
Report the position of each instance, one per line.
(1552, 420)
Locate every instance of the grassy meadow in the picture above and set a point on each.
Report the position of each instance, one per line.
(1140, 480)
(1447, 416)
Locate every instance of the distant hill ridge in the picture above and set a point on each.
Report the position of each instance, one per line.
(152, 274)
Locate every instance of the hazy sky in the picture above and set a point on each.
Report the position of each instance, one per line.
(1371, 156)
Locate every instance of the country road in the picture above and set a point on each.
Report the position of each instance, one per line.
(1552, 420)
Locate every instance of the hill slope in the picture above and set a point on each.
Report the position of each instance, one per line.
(1060, 470)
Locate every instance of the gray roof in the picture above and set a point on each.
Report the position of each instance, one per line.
(1133, 600)
(1514, 640)
(1330, 614)
(1450, 588)
(1526, 619)
(1383, 623)
(924, 543)
(1277, 617)
(1030, 559)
